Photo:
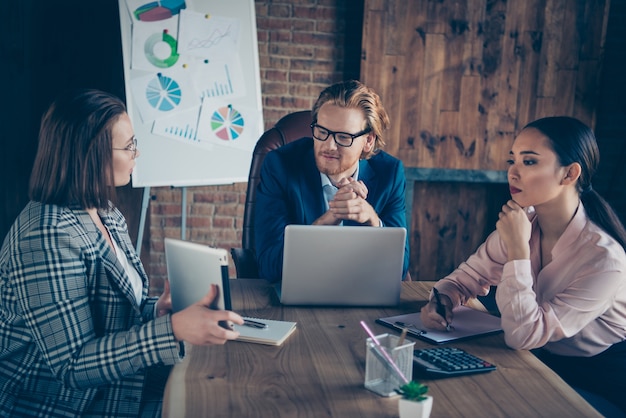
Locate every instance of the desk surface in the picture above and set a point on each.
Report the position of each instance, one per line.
(320, 369)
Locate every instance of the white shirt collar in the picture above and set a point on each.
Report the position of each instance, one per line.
(326, 179)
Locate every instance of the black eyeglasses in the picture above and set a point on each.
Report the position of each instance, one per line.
(131, 147)
(343, 139)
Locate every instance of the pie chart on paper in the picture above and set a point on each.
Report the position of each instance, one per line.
(160, 50)
(158, 10)
(227, 123)
(163, 93)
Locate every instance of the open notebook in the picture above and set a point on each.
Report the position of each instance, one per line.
(467, 323)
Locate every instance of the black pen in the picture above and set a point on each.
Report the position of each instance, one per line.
(441, 310)
(254, 324)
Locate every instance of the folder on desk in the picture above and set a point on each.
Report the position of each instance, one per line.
(467, 323)
(275, 333)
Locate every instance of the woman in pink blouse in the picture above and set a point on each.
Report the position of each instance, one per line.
(557, 258)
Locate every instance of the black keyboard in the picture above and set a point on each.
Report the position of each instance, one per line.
(449, 361)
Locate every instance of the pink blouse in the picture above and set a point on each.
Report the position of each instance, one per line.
(574, 306)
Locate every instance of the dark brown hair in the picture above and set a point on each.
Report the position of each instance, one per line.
(74, 163)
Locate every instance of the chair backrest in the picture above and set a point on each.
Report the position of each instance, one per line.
(290, 128)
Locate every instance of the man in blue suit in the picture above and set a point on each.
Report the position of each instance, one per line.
(339, 177)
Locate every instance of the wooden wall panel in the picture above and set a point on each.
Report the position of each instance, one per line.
(532, 59)
(444, 235)
(460, 78)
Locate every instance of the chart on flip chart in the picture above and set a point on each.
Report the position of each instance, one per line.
(193, 90)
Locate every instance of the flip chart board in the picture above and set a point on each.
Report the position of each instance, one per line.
(193, 89)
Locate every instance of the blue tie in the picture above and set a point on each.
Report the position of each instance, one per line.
(329, 192)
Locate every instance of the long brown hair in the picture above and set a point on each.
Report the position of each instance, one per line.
(74, 163)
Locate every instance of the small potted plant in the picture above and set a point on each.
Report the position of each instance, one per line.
(414, 402)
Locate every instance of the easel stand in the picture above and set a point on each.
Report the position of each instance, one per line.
(144, 212)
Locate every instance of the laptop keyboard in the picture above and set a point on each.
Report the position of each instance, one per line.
(449, 361)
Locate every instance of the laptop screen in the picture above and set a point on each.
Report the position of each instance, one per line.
(342, 265)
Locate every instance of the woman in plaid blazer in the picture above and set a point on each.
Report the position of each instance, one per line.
(78, 333)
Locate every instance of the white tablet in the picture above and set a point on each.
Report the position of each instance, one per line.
(191, 269)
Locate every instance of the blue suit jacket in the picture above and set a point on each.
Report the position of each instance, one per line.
(290, 192)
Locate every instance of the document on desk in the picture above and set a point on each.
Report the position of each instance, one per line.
(264, 331)
(467, 323)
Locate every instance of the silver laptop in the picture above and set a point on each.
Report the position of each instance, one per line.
(342, 265)
(191, 269)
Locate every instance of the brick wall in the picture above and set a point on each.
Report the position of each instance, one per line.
(304, 45)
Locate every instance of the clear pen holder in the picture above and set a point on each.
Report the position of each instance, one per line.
(380, 376)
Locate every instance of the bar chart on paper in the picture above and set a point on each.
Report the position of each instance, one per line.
(182, 126)
(220, 86)
(187, 131)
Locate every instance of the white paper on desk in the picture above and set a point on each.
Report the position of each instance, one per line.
(467, 323)
(275, 333)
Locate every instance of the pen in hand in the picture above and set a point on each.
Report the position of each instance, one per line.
(441, 309)
(254, 324)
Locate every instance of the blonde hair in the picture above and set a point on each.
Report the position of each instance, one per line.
(353, 94)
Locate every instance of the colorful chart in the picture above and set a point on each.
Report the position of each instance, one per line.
(163, 93)
(186, 131)
(158, 10)
(227, 123)
(219, 86)
(158, 40)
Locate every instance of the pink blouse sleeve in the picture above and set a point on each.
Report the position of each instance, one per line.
(571, 297)
(474, 276)
(526, 325)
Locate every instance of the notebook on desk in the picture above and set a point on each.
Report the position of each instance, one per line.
(271, 332)
(467, 323)
(342, 265)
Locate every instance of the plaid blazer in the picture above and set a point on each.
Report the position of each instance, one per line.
(72, 338)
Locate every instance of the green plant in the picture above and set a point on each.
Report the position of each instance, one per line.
(413, 391)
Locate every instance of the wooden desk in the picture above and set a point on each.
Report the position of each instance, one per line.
(320, 369)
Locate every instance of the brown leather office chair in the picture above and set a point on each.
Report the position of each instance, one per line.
(290, 128)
